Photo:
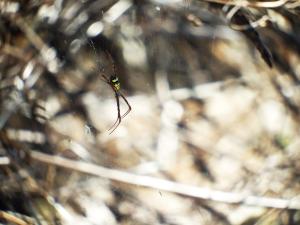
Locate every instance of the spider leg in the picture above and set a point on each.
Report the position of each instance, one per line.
(127, 103)
(118, 121)
(111, 61)
(105, 79)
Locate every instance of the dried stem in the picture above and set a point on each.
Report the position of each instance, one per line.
(165, 185)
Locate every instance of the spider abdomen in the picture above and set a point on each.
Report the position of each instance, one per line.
(115, 82)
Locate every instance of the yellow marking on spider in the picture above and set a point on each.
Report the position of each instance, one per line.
(117, 86)
(115, 80)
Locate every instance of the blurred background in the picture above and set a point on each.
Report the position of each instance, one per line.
(213, 134)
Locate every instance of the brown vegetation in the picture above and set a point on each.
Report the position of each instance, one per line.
(213, 135)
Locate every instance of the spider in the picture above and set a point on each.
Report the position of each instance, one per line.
(115, 85)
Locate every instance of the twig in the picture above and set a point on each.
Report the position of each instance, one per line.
(15, 52)
(48, 55)
(165, 185)
(293, 5)
(9, 217)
